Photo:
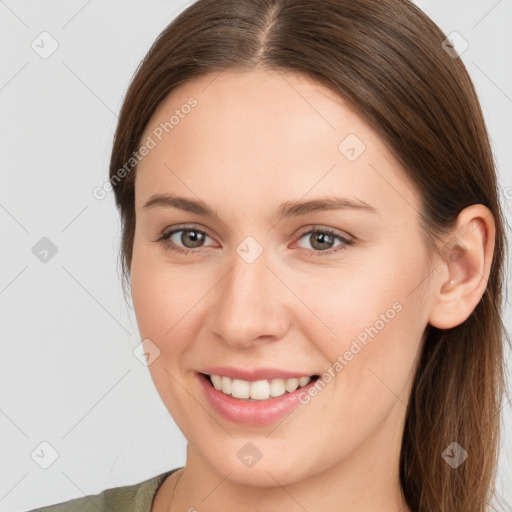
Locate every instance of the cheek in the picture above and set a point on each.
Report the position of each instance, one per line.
(163, 307)
(369, 327)
(161, 293)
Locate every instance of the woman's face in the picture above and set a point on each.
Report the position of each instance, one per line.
(261, 289)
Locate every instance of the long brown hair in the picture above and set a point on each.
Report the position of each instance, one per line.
(387, 59)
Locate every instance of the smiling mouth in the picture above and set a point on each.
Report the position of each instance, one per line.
(260, 390)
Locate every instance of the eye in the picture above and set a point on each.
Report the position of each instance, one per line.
(322, 239)
(191, 238)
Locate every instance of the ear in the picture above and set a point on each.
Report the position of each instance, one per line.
(464, 268)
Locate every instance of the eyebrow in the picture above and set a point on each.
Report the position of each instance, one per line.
(285, 210)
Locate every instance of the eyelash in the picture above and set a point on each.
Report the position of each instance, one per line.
(164, 240)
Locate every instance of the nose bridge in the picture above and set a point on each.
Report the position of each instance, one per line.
(249, 302)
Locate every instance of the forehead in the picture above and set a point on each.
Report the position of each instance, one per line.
(265, 135)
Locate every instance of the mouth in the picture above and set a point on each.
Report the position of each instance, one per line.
(260, 390)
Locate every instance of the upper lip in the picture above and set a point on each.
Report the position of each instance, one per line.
(254, 374)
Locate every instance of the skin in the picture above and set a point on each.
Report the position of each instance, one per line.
(257, 139)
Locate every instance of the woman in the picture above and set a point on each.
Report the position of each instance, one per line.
(314, 246)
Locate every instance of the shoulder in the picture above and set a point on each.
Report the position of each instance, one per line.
(137, 498)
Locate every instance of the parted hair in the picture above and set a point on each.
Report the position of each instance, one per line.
(386, 58)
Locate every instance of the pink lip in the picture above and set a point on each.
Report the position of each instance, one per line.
(253, 375)
(247, 412)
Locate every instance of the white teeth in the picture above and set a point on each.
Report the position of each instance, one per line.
(226, 385)
(260, 390)
(217, 381)
(277, 387)
(292, 385)
(240, 388)
(257, 390)
(303, 381)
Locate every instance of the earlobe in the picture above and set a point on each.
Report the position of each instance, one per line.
(464, 268)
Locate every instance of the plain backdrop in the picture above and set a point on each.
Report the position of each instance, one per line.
(78, 410)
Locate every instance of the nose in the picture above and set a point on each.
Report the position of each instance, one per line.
(250, 304)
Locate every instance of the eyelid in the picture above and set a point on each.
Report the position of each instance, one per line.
(325, 229)
(165, 237)
(346, 240)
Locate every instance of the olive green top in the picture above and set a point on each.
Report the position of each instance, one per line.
(129, 498)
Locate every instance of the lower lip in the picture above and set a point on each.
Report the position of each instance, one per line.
(259, 412)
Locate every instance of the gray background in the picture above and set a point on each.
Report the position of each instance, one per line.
(69, 376)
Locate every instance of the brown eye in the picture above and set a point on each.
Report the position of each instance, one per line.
(190, 240)
(193, 237)
(322, 240)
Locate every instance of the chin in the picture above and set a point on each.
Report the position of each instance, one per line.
(273, 472)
